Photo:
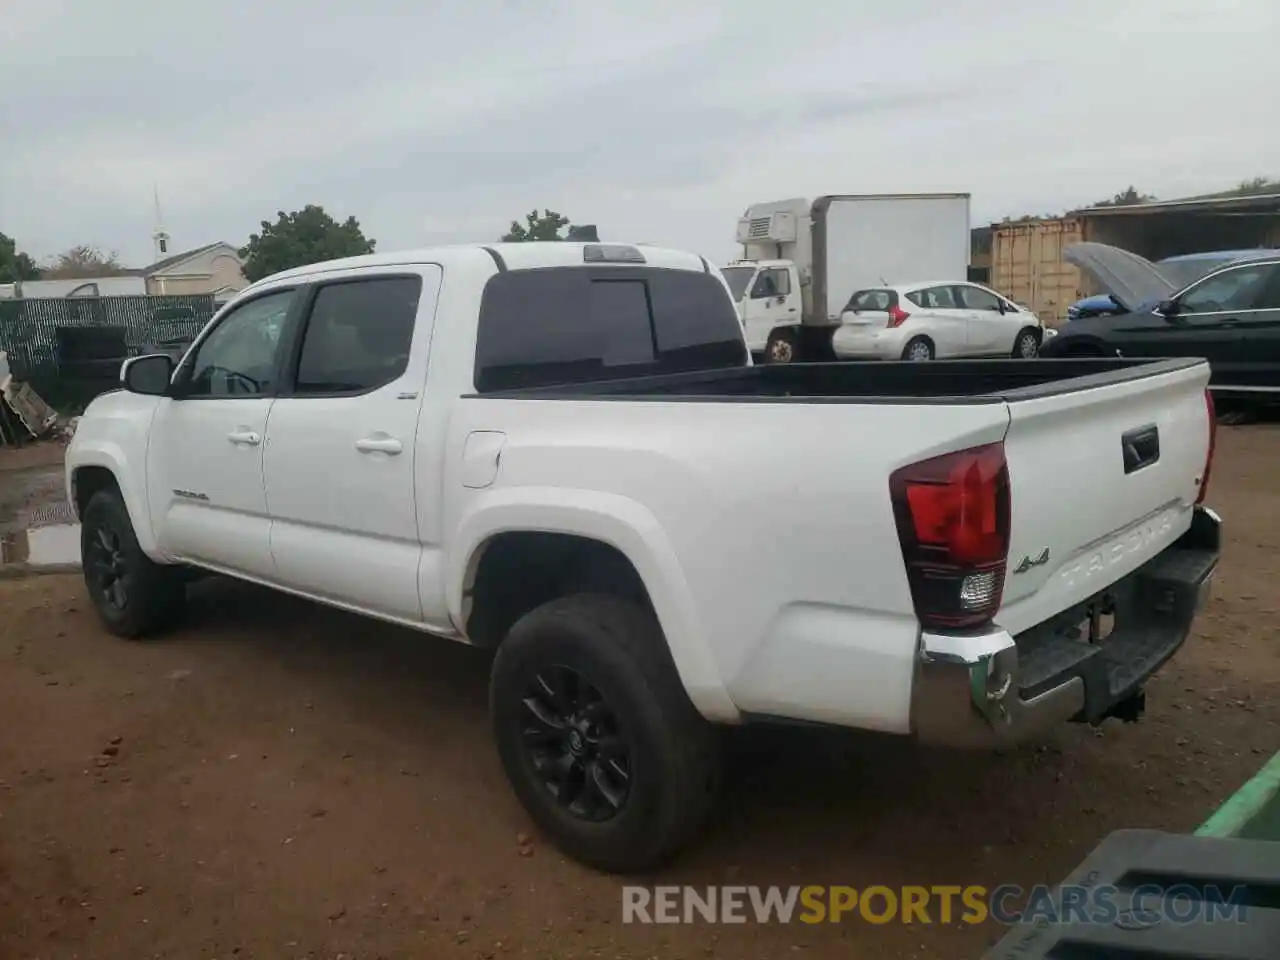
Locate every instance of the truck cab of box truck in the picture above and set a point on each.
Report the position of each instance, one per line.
(771, 283)
(767, 294)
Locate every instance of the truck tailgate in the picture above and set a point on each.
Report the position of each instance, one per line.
(1102, 479)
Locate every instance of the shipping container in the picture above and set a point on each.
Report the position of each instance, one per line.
(1027, 266)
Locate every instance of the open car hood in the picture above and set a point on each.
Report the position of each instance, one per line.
(1132, 280)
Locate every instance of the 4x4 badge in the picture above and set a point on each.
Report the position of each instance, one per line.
(1027, 562)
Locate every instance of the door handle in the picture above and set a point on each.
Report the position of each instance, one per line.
(382, 445)
(246, 437)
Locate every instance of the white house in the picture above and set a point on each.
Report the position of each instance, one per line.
(214, 268)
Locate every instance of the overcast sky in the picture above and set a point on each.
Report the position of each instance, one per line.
(441, 121)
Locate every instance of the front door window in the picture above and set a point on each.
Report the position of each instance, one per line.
(238, 357)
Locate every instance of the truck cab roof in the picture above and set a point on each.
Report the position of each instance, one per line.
(507, 256)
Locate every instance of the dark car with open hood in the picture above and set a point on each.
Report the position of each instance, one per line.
(1231, 317)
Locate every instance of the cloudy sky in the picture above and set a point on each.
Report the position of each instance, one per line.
(435, 121)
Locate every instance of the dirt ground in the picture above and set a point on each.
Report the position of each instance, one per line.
(30, 476)
(282, 780)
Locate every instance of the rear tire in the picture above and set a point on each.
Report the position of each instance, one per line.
(1027, 345)
(597, 736)
(134, 596)
(918, 349)
(781, 347)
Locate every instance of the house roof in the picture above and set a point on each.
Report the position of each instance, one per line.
(177, 258)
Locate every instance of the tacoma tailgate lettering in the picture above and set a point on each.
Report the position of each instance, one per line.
(1096, 563)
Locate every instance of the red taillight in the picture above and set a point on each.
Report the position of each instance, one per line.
(952, 514)
(897, 316)
(1213, 438)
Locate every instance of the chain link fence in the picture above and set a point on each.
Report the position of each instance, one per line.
(70, 349)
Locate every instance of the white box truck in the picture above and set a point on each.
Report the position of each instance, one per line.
(802, 260)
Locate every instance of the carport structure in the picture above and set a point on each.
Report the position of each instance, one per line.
(1171, 227)
(1026, 256)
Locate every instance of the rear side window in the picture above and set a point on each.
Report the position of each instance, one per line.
(934, 298)
(569, 324)
(972, 298)
(880, 300)
(358, 335)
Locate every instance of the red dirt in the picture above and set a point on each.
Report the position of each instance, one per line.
(282, 780)
(30, 475)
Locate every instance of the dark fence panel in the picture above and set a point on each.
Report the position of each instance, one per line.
(70, 349)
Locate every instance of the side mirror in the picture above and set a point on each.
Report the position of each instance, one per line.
(1168, 308)
(148, 375)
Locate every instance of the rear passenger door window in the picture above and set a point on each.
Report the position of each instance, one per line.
(937, 298)
(975, 298)
(357, 336)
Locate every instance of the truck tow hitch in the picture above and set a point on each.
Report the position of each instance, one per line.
(1128, 710)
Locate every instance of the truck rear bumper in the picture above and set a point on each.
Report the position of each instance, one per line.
(993, 689)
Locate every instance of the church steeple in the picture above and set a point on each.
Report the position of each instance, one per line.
(160, 236)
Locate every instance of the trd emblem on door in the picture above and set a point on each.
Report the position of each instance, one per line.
(1028, 561)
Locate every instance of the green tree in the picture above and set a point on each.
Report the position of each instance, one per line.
(14, 265)
(82, 262)
(1254, 186)
(545, 227)
(1126, 197)
(305, 236)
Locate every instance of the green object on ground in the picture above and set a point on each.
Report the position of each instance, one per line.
(1253, 811)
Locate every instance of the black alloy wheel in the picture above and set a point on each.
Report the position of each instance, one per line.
(106, 569)
(596, 734)
(575, 745)
(134, 595)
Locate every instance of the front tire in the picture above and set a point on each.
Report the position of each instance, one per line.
(1026, 346)
(597, 736)
(781, 347)
(134, 596)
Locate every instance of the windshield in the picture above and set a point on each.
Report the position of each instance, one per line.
(738, 278)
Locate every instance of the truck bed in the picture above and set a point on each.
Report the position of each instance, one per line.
(945, 382)
(1105, 456)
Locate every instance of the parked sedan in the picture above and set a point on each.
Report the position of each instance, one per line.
(1230, 317)
(924, 321)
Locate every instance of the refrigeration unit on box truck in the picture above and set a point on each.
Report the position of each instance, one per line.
(802, 260)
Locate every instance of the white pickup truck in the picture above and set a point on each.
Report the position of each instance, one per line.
(553, 450)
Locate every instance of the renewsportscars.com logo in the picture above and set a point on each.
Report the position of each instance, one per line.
(1135, 908)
